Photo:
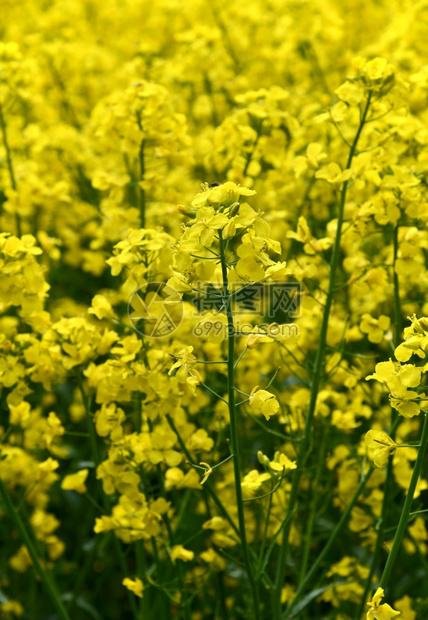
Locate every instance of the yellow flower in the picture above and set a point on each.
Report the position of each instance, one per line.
(415, 340)
(216, 523)
(312, 244)
(281, 461)
(404, 605)
(263, 402)
(380, 612)
(398, 378)
(380, 446)
(224, 195)
(314, 156)
(178, 552)
(253, 481)
(404, 405)
(199, 441)
(377, 74)
(185, 362)
(375, 328)
(334, 174)
(135, 585)
(101, 308)
(350, 93)
(75, 482)
(20, 415)
(413, 345)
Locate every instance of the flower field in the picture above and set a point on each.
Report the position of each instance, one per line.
(213, 310)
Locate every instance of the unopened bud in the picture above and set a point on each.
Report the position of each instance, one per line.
(253, 341)
(188, 211)
(234, 209)
(262, 458)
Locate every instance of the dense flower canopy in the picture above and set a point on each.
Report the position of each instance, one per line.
(213, 291)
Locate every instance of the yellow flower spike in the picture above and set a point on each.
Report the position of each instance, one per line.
(380, 445)
(380, 612)
(207, 473)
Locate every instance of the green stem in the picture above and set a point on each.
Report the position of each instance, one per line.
(397, 302)
(264, 538)
(319, 360)
(45, 578)
(10, 166)
(379, 540)
(406, 508)
(141, 191)
(234, 434)
(324, 553)
(313, 510)
(394, 423)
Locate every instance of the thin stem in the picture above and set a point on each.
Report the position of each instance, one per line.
(244, 350)
(406, 507)
(266, 428)
(304, 445)
(207, 387)
(397, 303)
(394, 423)
(313, 509)
(141, 191)
(379, 539)
(234, 434)
(417, 512)
(45, 578)
(324, 553)
(265, 532)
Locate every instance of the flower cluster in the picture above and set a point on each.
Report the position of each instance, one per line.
(186, 417)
